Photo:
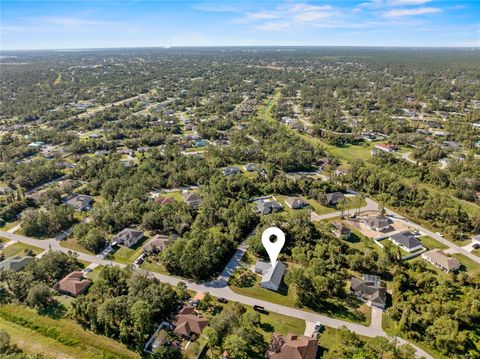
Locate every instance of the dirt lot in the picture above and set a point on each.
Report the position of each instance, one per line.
(359, 223)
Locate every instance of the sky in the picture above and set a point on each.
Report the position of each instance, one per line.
(71, 24)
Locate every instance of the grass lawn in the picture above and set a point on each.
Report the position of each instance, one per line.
(330, 338)
(72, 243)
(468, 263)
(94, 274)
(350, 309)
(176, 195)
(127, 255)
(57, 338)
(9, 225)
(153, 265)
(319, 209)
(431, 243)
(19, 249)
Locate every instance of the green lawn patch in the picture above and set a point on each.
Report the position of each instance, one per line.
(349, 308)
(152, 264)
(9, 225)
(18, 249)
(176, 195)
(431, 243)
(127, 255)
(469, 264)
(72, 243)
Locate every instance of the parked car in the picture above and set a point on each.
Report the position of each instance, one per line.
(222, 300)
(260, 309)
(318, 326)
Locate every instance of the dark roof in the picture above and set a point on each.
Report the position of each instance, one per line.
(368, 290)
(406, 239)
(334, 197)
(378, 222)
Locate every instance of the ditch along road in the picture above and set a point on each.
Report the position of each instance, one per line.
(219, 288)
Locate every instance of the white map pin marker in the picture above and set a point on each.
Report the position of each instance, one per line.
(273, 248)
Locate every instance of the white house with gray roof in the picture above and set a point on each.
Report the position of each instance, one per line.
(271, 277)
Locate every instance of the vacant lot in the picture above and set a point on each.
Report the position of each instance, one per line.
(57, 338)
(18, 249)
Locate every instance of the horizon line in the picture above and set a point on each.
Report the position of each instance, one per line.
(243, 46)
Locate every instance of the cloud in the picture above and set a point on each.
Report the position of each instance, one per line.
(289, 15)
(407, 2)
(411, 12)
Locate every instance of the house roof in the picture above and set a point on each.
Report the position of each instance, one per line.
(334, 197)
(127, 234)
(406, 239)
(438, 256)
(378, 222)
(80, 201)
(15, 263)
(188, 323)
(293, 347)
(74, 283)
(369, 291)
(165, 200)
(268, 206)
(295, 202)
(191, 196)
(275, 275)
(341, 228)
(159, 242)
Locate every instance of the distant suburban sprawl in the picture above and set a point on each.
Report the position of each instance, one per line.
(135, 185)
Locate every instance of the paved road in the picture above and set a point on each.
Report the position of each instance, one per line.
(406, 157)
(371, 206)
(453, 247)
(219, 288)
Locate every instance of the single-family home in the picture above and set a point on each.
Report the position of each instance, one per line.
(369, 291)
(73, 284)
(231, 170)
(407, 241)
(192, 198)
(187, 324)
(334, 198)
(378, 223)
(438, 258)
(81, 202)
(341, 230)
(386, 147)
(157, 244)
(163, 201)
(272, 277)
(296, 202)
(15, 263)
(251, 167)
(292, 346)
(267, 207)
(342, 171)
(128, 237)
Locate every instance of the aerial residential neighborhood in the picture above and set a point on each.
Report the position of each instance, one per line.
(236, 180)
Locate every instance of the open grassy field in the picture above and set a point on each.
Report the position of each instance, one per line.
(18, 249)
(57, 338)
(176, 195)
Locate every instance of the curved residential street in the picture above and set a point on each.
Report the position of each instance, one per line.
(219, 288)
